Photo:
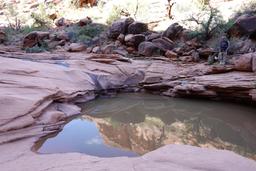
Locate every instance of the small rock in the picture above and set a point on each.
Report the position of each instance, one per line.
(96, 49)
(119, 27)
(89, 49)
(148, 49)
(85, 21)
(170, 54)
(130, 49)
(164, 44)
(137, 28)
(173, 32)
(76, 47)
(63, 36)
(134, 40)
(33, 38)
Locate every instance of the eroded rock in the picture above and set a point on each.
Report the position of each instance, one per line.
(33, 38)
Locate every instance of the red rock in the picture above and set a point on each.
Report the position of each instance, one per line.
(2, 36)
(170, 54)
(243, 62)
(33, 38)
(76, 47)
(85, 21)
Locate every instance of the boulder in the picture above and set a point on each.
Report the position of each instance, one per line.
(173, 32)
(153, 36)
(33, 38)
(134, 40)
(3, 36)
(164, 44)
(244, 25)
(170, 54)
(108, 49)
(205, 52)
(254, 63)
(85, 21)
(119, 27)
(243, 62)
(96, 49)
(137, 28)
(120, 38)
(148, 49)
(240, 46)
(76, 47)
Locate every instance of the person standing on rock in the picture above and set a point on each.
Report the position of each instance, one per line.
(223, 49)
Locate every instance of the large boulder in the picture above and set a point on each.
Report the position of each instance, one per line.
(2, 36)
(148, 49)
(244, 25)
(134, 40)
(244, 62)
(119, 27)
(33, 38)
(254, 62)
(173, 32)
(164, 44)
(137, 28)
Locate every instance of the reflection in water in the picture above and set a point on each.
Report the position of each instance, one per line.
(131, 124)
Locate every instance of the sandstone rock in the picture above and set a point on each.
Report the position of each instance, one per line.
(2, 36)
(148, 49)
(186, 59)
(170, 54)
(76, 47)
(173, 31)
(33, 38)
(243, 62)
(254, 63)
(240, 46)
(205, 52)
(122, 52)
(85, 21)
(108, 49)
(137, 28)
(164, 44)
(196, 56)
(96, 49)
(63, 36)
(120, 38)
(134, 40)
(119, 27)
(153, 36)
(244, 26)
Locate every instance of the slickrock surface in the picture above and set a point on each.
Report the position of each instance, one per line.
(37, 94)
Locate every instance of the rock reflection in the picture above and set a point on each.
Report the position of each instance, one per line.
(142, 123)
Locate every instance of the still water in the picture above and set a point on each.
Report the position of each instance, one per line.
(134, 124)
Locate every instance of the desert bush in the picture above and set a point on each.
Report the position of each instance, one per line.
(209, 22)
(85, 33)
(40, 17)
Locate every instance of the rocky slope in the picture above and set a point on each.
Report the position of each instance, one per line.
(37, 94)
